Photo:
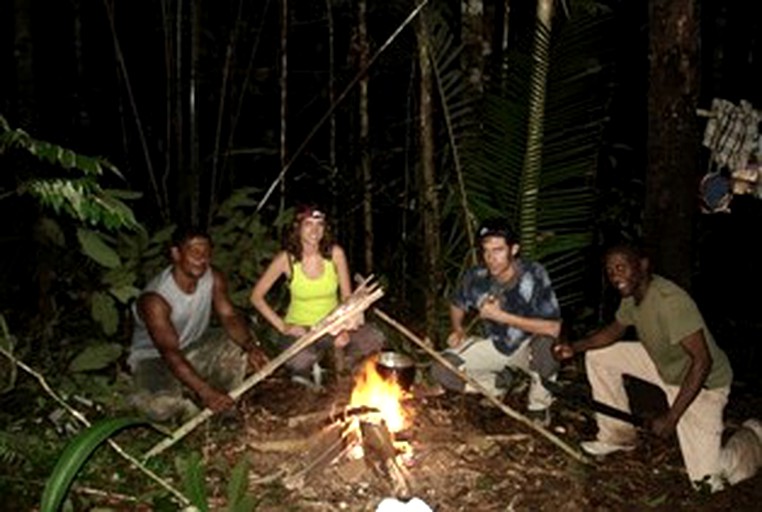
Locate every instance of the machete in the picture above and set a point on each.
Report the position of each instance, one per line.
(587, 402)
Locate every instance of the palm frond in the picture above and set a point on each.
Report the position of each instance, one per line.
(547, 189)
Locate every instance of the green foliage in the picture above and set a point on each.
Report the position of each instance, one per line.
(11, 450)
(238, 499)
(80, 195)
(96, 357)
(191, 470)
(459, 110)
(96, 248)
(547, 190)
(76, 454)
(242, 243)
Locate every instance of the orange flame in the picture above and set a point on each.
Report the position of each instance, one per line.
(372, 390)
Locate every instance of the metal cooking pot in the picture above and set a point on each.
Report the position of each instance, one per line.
(398, 367)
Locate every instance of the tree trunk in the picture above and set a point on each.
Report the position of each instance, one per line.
(81, 115)
(365, 164)
(331, 101)
(283, 96)
(179, 104)
(472, 15)
(23, 50)
(673, 170)
(194, 164)
(430, 200)
(499, 34)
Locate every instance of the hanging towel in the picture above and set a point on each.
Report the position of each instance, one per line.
(731, 133)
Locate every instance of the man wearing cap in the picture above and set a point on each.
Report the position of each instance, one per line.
(174, 357)
(520, 316)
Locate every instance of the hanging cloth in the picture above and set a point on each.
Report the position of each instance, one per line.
(731, 133)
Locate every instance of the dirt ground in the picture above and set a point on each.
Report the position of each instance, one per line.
(466, 455)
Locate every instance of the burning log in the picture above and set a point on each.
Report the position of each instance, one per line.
(332, 443)
(381, 454)
(346, 313)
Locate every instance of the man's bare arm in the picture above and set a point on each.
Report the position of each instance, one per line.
(155, 312)
(698, 370)
(233, 323)
(604, 337)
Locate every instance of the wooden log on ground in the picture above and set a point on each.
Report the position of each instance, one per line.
(332, 443)
(380, 451)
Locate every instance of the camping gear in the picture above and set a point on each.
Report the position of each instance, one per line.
(397, 367)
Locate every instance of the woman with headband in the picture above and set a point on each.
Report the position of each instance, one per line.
(317, 276)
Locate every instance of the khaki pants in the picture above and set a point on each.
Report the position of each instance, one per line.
(161, 397)
(480, 360)
(699, 430)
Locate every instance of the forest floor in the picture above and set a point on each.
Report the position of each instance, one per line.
(466, 455)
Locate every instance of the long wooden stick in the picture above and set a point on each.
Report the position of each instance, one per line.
(358, 302)
(82, 419)
(481, 389)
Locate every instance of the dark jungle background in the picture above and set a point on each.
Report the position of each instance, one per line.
(121, 119)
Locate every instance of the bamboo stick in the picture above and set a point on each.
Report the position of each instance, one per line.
(466, 378)
(180, 497)
(358, 302)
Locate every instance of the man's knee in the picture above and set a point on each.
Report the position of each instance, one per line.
(446, 377)
(595, 358)
(163, 407)
(541, 356)
(365, 341)
(302, 362)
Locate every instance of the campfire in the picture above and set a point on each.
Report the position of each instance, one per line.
(370, 429)
(384, 394)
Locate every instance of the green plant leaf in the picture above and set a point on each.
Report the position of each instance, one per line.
(191, 470)
(119, 277)
(124, 294)
(123, 194)
(49, 231)
(74, 456)
(103, 310)
(246, 504)
(237, 487)
(94, 247)
(96, 357)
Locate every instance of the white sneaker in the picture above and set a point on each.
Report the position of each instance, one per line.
(603, 448)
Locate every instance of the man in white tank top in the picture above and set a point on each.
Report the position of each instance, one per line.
(174, 357)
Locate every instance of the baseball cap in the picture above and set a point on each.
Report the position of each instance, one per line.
(497, 227)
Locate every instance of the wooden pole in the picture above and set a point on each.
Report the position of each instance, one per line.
(358, 302)
(466, 378)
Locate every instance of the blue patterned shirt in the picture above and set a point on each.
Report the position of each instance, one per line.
(529, 293)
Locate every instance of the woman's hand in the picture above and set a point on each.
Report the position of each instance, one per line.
(297, 331)
(341, 340)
